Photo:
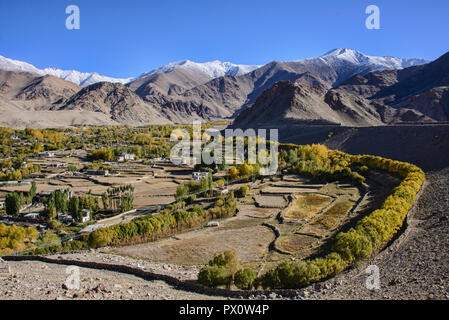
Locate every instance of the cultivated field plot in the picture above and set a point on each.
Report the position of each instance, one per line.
(275, 221)
(306, 206)
(270, 201)
(295, 242)
(286, 190)
(245, 236)
(255, 212)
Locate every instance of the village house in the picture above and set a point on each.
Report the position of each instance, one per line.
(33, 215)
(99, 172)
(46, 154)
(212, 224)
(197, 176)
(85, 215)
(65, 218)
(127, 157)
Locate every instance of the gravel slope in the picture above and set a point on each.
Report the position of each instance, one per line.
(419, 267)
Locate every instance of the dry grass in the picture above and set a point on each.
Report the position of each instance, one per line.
(296, 242)
(248, 210)
(339, 209)
(306, 206)
(198, 247)
(271, 201)
(328, 222)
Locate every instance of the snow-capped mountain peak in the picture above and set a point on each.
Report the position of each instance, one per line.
(379, 63)
(18, 66)
(212, 69)
(81, 78)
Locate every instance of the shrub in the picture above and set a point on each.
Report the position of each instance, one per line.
(220, 270)
(214, 276)
(244, 279)
(242, 191)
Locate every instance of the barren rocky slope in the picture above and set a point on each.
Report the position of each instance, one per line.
(32, 280)
(424, 88)
(418, 268)
(117, 101)
(31, 92)
(288, 102)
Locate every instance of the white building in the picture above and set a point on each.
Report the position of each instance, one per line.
(197, 176)
(126, 157)
(85, 215)
(212, 224)
(46, 154)
(34, 215)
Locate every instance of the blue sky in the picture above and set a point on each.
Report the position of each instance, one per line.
(126, 38)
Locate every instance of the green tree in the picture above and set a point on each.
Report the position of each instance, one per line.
(33, 189)
(244, 279)
(13, 202)
(74, 208)
(181, 192)
(51, 208)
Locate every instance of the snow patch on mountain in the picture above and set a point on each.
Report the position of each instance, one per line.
(379, 63)
(17, 66)
(213, 69)
(83, 79)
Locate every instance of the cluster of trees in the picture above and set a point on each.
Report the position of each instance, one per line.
(361, 241)
(174, 218)
(188, 191)
(106, 154)
(225, 270)
(77, 204)
(319, 163)
(17, 170)
(110, 154)
(60, 202)
(145, 142)
(15, 200)
(244, 171)
(14, 238)
(119, 198)
(242, 191)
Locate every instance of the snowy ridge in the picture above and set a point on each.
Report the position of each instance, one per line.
(83, 79)
(379, 63)
(213, 69)
(18, 66)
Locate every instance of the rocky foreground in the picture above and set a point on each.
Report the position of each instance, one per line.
(416, 266)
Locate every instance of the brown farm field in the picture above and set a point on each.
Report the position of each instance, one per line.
(306, 206)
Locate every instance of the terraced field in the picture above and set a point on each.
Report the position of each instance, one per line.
(277, 220)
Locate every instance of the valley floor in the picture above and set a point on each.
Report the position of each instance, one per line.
(417, 267)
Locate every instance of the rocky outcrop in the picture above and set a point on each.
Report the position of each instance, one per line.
(117, 101)
(296, 103)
